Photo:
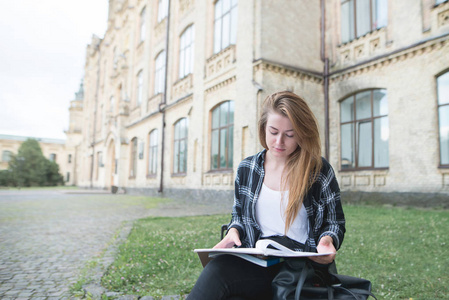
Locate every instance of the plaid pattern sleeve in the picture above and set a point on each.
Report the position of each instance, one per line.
(324, 209)
(248, 183)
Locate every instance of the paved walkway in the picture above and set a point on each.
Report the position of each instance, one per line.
(47, 237)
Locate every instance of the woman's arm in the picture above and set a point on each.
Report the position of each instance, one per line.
(235, 227)
(331, 233)
(326, 244)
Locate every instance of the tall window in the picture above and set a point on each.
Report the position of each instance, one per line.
(186, 55)
(133, 166)
(225, 24)
(358, 17)
(111, 104)
(142, 25)
(364, 130)
(6, 155)
(443, 116)
(115, 58)
(159, 76)
(69, 158)
(139, 91)
(162, 11)
(152, 152)
(180, 147)
(222, 136)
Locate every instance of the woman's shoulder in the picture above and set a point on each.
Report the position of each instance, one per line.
(251, 164)
(253, 160)
(326, 171)
(325, 165)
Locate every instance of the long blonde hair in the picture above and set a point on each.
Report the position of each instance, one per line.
(304, 164)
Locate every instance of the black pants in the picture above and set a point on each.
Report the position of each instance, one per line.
(229, 277)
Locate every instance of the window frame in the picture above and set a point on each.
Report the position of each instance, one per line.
(162, 10)
(142, 25)
(153, 145)
(187, 36)
(6, 155)
(219, 17)
(439, 108)
(177, 142)
(139, 88)
(355, 138)
(159, 73)
(133, 156)
(353, 20)
(229, 127)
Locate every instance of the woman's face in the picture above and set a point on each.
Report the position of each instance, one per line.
(279, 136)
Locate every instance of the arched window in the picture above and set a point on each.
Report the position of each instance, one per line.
(186, 55)
(364, 130)
(162, 10)
(225, 24)
(139, 91)
(222, 136)
(443, 117)
(152, 152)
(142, 25)
(180, 147)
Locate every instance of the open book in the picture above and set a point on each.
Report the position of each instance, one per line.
(266, 253)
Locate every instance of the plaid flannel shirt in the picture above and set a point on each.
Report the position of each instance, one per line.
(322, 203)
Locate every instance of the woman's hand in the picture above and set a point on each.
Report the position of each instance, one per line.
(326, 244)
(231, 239)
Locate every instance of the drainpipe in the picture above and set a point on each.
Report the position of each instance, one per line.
(325, 80)
(164, 99)
(97, 47)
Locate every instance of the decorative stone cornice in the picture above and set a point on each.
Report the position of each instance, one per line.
(385, 60)
(185, 5)
(220, 85)
(304, 75)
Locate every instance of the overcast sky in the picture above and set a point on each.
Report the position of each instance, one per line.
(42, 55)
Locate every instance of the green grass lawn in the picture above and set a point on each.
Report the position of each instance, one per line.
(402, 251)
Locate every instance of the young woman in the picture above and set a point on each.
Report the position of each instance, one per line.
(287, 192)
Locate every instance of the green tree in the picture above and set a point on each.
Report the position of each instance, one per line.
(5, 178)
(30, 168)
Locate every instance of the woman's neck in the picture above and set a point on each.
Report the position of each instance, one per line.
(274, 169)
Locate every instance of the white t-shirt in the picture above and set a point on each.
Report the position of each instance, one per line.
(270, 211)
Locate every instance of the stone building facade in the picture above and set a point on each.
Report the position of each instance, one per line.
(172, 92)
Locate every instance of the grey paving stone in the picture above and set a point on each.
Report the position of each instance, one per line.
(49, 236)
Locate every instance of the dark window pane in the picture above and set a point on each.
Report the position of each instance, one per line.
(231, 147)
(444, 134)
(443, 89)
(364, 145)
(224, 109)
(381, 137)
(363, 105)
(380, 103)
(347, 110)
(214, 149)
(347, 146)
(223, 146)
(347, 21)
(363, 17)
